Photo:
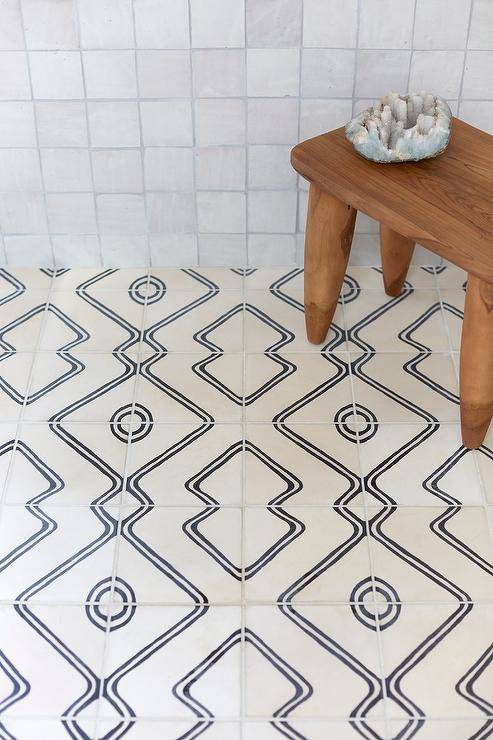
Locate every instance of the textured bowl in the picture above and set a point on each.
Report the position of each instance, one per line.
(402, 128)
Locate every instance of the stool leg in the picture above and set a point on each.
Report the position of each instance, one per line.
(396, 252)
(329, 233)
(476, 363)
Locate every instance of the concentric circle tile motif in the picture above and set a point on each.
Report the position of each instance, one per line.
(147, 290)
(375, 601)
(132, 417)
(112, 604)
(356, 423)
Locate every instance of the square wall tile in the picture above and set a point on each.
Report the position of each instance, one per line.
(71, 213)
(478, 113)
(381, 70)
(174, 250)
(219, 73)
(219, 212)
(329, 23)
(124, 250)
(220, 168)
(273, 72)
(23, 213)
(61, 123)
(76, 250)
(167, 123)
(27, 251)
(161, 25)
(480, 36)
(275, 23)
(478, 81)
(50, 25)
(11, 32)
(66, 170)
(327, 73)
(110, 74)
(106, 24)
(385, 24)
(271, 249)
(114, 124)
(437, 70)
(171, 213)
(218, 23)
(164, 74)
(20, 170)
(319, 116)
(220, 122)
(273, 121)
(17, 126)
(270, 167)
(272, 211)
(441, 24)
(14, 76)
(117, 171)
(168, 168)
(121, 214)
(56, 74)
(222, 250)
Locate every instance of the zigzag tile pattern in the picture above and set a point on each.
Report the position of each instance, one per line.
(209, 527)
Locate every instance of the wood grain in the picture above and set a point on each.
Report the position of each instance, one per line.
(329, 233)
(397, 252)
(476, 363)
(445, 203)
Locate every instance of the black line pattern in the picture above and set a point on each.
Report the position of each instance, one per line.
(126, 622)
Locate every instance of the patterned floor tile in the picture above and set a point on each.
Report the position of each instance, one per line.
(412, 321)
(294, 388)
(450, 276)
(321, 730)
(74, 386)
(59, 643)
(141, 729)
(24, 278)
(484, 458)
(21, 320)
(453, 311)
(396, 387)
(370, 278)
(92, 280)
(195, 321)
(68, 464)
(175, 662)
(213, 473)
(446, 729)
(452, 642)
(50, 553)
(190, 388)
(417, 465)
(7, 443)
(310, 662)
(434, 554)
(304, 554)
(55, 729)
(110, 322)
(301, 465)
(275, 278)
(207, 278)
(15, 371)
(181, 555)
(274, 321)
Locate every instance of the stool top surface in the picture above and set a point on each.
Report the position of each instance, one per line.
(445, 203)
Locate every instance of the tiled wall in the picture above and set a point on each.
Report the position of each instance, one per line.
(136, 130)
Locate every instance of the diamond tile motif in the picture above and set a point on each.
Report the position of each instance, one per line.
(209, 527)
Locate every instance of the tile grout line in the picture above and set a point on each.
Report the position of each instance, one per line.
(243, 615)
(88, 130)
(121, 511)
(464, 61)
(20, 419)
(194, 135)
(36, 133)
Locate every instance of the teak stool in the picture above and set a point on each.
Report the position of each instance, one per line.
(446, 204)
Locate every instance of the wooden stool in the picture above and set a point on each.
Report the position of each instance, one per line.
(446, 204)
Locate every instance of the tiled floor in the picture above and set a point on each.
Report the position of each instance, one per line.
(210, 527)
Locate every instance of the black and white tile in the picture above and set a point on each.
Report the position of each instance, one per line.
(209, 527)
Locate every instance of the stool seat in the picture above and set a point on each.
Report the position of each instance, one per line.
(445, 203)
